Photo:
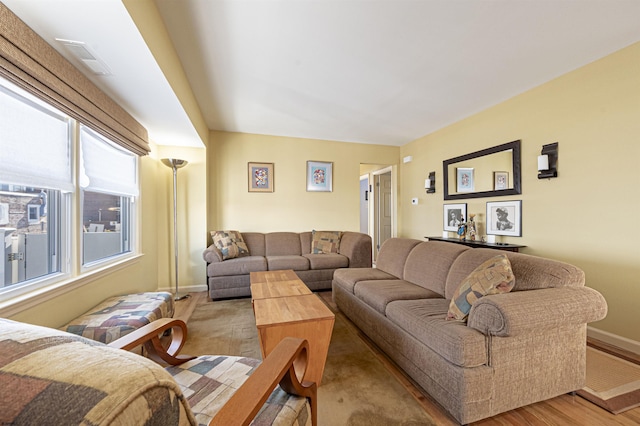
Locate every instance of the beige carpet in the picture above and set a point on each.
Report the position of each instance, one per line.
(356, 388)
(612, 383)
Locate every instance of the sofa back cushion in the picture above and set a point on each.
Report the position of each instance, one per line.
(282, 244)
(429, 262)
(531, 272)
(255, 243)
(305, 242)
(393, 255)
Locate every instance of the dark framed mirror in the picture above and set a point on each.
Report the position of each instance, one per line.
(491, 172)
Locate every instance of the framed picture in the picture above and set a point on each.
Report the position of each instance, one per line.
(504, 218)
(464, 179)
(319, 176)
(454, 215)
(500, 180)
(260, 177)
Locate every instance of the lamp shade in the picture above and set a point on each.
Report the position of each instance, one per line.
(543, 162)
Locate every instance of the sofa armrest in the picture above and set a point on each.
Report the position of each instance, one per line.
(212, 254)
(517, 312)
(357, 247)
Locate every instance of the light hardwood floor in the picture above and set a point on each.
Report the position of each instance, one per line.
(559, 411)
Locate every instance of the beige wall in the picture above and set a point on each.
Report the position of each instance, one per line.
(290, 207)
(192, 217)
(586, 216)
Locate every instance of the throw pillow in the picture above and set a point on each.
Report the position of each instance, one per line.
(491, 277)
(325, 241)
(230, 243)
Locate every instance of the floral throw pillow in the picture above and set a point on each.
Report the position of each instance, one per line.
(491, 277)
(230, 243)
(325, 242)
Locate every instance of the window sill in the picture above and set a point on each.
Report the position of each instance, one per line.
(33, 298)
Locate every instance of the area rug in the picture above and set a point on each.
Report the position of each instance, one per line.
(612, 383)
(356, 390)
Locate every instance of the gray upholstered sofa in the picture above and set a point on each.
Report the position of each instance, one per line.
(279, 251)
(516, 348)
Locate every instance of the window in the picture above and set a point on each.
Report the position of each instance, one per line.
(38, 190)
(109, 186)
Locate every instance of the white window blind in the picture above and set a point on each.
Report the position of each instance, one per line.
(105, 167)
(34, 144)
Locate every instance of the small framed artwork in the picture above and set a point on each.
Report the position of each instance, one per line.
(464, 179)
(319, 176)
(500, 180)
(504, 218)
(454, 215)
(260, 177)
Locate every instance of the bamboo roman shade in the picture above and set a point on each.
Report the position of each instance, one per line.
(29, 62)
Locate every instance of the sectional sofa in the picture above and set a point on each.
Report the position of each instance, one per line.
(313, 255)
(514, 348)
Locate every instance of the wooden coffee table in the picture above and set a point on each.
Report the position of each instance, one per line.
(283, 312)
(270, 284)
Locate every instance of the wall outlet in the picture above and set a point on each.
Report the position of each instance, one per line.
(414, 201)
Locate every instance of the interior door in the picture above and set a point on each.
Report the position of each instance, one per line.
(384, 212)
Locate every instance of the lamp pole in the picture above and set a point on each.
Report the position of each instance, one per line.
(175, 164)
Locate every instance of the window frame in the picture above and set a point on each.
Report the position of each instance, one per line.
(66, 205)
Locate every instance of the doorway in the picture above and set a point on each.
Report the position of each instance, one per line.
(377, 208)
(383, 217)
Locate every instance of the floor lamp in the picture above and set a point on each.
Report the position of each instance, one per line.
(175, 164)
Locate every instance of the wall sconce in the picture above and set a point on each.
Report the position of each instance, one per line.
(548, 161)
(430, 183)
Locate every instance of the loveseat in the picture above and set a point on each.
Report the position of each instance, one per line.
(521, 345)
(314, 256)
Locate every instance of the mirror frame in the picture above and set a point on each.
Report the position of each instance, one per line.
(515, 161)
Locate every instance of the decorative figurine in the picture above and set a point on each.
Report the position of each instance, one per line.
(471, 227)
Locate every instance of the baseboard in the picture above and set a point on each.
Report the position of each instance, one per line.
(186, 289)
(614, 340)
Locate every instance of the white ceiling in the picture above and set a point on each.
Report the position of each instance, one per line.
(380, 72)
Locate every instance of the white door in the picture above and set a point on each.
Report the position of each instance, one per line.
(384, 210)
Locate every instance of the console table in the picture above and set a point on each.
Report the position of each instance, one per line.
(477, 244)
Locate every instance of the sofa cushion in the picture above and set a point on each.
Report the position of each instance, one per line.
(238, 266)
(425, 320)
(377, 294)
(282, 244)
(297, 263)
(230, 244)
(255, 242)
(393, 254)
(347, 278)
(531, 272)
(491, 277)
(118, 316)
(327, 261)
(429, 262)
(325, 242)
(209, 381)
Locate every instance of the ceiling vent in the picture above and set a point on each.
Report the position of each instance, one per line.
(83, 53)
